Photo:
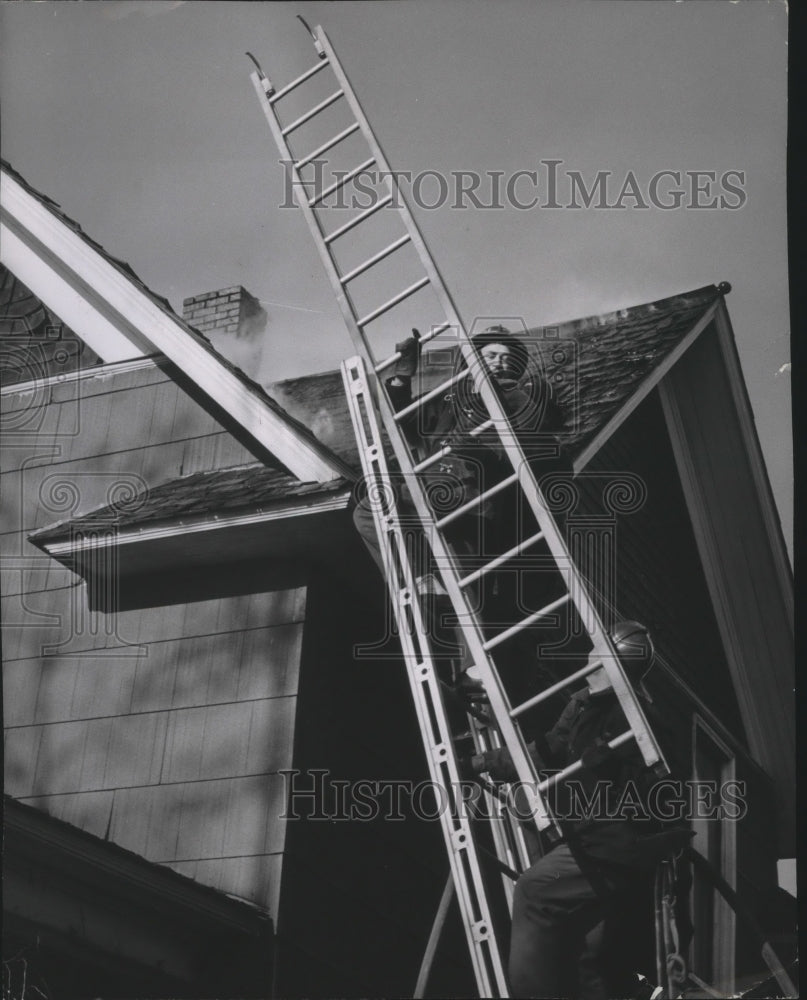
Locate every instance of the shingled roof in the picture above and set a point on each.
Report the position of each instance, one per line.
(612, 354)
(34, 343)
(596, 365)
(202, 496)
(62, 878)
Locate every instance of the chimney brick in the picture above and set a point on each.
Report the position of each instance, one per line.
(231, 310)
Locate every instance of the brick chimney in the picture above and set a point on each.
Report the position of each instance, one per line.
(233, 321)
(227, 311)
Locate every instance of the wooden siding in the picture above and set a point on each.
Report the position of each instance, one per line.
(658, 573)
(746, 584)
(161, 729)
(175, 754)
(660, 581)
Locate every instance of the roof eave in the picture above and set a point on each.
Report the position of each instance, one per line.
(141, 566)
(37, 834)
(81, 538)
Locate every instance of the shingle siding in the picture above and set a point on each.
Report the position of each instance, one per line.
(659, 578)
(155, 727)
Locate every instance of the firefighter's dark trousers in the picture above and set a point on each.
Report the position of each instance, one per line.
(558, 945)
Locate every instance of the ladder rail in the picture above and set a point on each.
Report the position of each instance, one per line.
(507, 831)
(424, 683)
(505, 726)
(602, 646)
(648, 745)
(472, 628)
(494, 687)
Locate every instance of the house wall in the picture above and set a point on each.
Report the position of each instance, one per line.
(741, 545)
(360, 892)
(658, 577)
(660, 581)
(162, 729)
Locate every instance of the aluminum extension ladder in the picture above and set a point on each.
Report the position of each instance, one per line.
(499, 724)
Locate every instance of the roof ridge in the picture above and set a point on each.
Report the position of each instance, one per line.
(704, 295)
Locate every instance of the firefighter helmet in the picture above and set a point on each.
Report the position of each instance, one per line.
(634, 645)
(499, 334)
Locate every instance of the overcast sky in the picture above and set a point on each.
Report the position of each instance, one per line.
(140, 120)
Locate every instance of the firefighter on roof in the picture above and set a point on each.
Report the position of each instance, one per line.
(474, 463)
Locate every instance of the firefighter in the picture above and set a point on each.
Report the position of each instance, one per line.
(567, 906)
(474, 463)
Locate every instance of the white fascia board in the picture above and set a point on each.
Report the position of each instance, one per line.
(68, 266)
(644, 389)
(759, 471)
(80, 375)
(72, 306)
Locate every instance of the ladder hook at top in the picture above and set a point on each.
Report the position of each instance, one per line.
(317, 42)
(266, 83)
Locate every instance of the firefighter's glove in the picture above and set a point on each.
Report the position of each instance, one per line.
(596, 755)
(497, 763)
(407, 364)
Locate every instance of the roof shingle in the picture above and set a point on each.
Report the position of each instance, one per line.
(595, 365)
(203, 495)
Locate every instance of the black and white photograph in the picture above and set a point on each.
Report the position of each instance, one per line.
(396, 500)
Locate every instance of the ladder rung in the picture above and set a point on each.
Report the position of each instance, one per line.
(359, 219)
(300, 79)
(567, 772)
(445, 450)
(589, 668)
(481, 428)
(423, 340)
(341, 182)
(327, 145)
(374, 260)
(393, 302)
(426, 397)
(502, 636)
(313, 112)
(503, 484)
(503, 558)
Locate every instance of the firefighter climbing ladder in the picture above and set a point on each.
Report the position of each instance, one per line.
(499, 724)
